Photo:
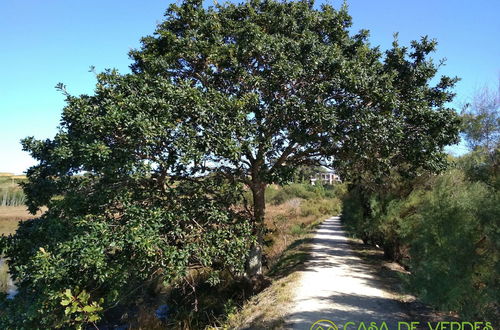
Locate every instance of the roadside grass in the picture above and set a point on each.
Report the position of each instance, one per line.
(266, 310)
(290, 234)
(286, 225)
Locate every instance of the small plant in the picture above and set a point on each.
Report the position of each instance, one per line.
(230, 307)
(79, 309)
(321, 207)
(298, 230)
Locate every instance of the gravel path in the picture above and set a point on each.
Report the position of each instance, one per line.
(336, 285)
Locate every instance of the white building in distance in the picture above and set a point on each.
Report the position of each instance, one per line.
(326, 177)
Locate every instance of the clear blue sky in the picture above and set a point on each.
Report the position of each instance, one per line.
(46, 42)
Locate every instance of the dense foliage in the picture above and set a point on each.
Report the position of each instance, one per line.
(443, 228)
(302, 89)
(218, 98)
(454, 241)
(123, 224)
(116, 254)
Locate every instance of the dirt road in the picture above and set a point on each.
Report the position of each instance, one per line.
(338, 286)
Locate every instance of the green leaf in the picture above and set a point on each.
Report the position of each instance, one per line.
(89, 309)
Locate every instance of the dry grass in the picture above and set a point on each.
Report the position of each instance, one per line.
(287, 225)
(289, 239)
(267, 309)
(18, 177)
(4, 276)
(10, 217)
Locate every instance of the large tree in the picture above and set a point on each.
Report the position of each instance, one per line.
(304, 90)
(243, 94)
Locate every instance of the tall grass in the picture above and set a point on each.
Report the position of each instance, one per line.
(11, 193)
(12, 196)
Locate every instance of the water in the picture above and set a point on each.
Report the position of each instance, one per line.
(11, 287)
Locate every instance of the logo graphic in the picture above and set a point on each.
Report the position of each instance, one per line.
(323, 325)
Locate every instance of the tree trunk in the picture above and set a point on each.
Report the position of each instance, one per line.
(254, 262)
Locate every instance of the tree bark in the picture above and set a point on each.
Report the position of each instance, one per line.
(254, 262)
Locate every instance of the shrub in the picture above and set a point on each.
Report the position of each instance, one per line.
(294, 190)
(321, 207)
(454, 240)
(304, 191)
(355, 218)
(446, 232)
(298, 230)
(270, 193)
(115, 258)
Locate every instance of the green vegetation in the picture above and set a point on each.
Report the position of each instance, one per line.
(303, 191)
(453, 239)
(446, 233)
(11, 193)
(120, 257)
(222, 101)
(444, 228)
(277, 84)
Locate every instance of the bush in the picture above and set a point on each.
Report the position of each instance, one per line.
(445, 231)
(321, 207)
(108, 260)
(304, 191)
(295, 190)
(355, 216)
(270, 193)
(298, 230)
(454, 240)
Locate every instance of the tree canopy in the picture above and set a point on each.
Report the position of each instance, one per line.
(219, 98)
(307, 88)
(304, 91)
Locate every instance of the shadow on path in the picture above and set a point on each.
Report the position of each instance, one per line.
(337, 285)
